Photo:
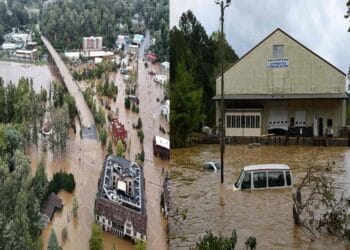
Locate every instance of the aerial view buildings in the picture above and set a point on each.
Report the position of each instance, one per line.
(120, 203)
(174, 124)
(80, 101)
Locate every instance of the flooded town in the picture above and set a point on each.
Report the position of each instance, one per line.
(168, 124)
(97, 114)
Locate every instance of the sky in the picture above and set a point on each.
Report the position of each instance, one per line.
(318, 24)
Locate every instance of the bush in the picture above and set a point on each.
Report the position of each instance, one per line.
(64, 234)
(141, 136)
(211, 241)
(139, 123)
(120, 148)
(110, 148)
(103, 136)
(95, 241)
(127, 103)
(60, 181)
(142, 156)
(75, 207)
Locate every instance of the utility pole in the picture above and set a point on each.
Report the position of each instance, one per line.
(223, 4)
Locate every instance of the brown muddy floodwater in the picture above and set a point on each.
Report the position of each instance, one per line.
(13, 71)
(265, 214)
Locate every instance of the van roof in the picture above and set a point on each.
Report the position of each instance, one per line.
(266, 167)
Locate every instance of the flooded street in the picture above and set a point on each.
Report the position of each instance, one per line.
(265, 214)
(86, 174)
(13, 71)
(148, 92)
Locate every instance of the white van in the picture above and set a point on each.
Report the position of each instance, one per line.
(264, 176)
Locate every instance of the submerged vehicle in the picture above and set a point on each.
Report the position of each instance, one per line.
(210, 165)
(264, 176)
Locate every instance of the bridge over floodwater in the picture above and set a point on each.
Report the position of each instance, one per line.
(86, 118)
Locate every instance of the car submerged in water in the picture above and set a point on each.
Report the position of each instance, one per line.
(212, 166)
(264, 176)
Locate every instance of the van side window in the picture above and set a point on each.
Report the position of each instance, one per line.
(276, 179)
(246, 181)
(288, 179)
(259, 179)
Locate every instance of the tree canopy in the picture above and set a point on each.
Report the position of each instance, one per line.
(20, 226)
(95, 241)
(195, 58)
(66, 22)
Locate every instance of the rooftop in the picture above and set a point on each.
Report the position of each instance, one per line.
(122, 183)
(52, 203)
(266, 167)
(162, 142)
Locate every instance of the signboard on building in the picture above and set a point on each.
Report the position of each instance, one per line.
(277, 63)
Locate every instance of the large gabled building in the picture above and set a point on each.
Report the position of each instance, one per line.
(282, 87)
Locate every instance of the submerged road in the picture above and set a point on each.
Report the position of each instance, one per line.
(85, 115)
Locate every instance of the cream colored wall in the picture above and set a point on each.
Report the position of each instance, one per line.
(326, 109)
(306, 72)
(242, 131)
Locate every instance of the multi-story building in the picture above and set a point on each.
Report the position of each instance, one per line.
(120, 203)
(282, 87)
(92, 43)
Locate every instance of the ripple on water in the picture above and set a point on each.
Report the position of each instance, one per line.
(267, 215)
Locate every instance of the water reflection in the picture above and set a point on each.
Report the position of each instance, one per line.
(267, 215)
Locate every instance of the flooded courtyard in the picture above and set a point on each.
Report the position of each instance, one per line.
(265, 214)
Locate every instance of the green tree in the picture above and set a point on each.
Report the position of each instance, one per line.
(127, 103)
(186, 106)
(120, 148)
(141, 136)
(60, 124)
(64, 234)
(110, 148)
(251, 243)
(140, 245)
(53, 243)
(95, 241)
(210, 241)
(40, 183)
(75, 207)
(139, 123)
(70, 101)
(103, 136)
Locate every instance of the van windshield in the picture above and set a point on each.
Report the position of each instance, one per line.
(238, 179)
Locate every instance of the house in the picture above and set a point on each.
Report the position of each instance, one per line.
(282, 87)
(52, 204)
(161, 147)
(120, 202)
(138, 39)
(151, 57)
(121, 41)
(26, 54)
(118, 130)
